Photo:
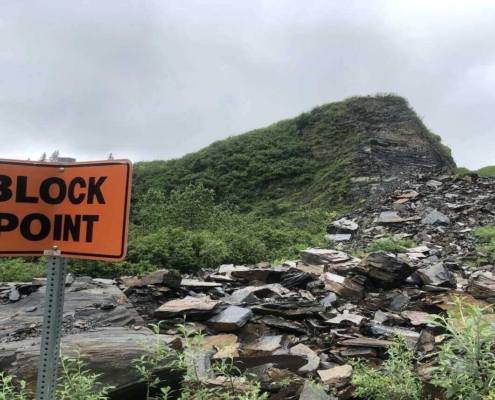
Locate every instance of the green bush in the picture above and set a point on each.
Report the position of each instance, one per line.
(390, 244)
(21, 269)
(466, 362)
(10, 391)
(395, 380)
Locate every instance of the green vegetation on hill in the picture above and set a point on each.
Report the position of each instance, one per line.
(487, 171)
(263, 195)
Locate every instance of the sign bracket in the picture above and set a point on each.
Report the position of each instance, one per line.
(52, 327)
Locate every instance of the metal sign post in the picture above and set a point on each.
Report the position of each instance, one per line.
(52, 326)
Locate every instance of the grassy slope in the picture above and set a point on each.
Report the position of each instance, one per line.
(305, 160)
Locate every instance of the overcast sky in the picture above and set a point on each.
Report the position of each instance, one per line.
(158, 79)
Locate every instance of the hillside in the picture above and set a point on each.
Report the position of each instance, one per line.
(269, 193)
(309, 159)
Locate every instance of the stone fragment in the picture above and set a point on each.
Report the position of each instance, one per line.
(344, 287)
(481, 284)
(14, 295)
(314, 392)
(297, 279)
(265, 345)
(337, 376)
(282, 324)
(289, 361)
(437, 275)
(188, 306)
(323, 256)
(313, 359)
(386, 270)
(253, 294)
(378, 329)
(329, 300)
(434, 184)
(160, 277)
(339, 237)
(343, 226)
(367, 342)
(435, 217)
(347, 319)
(417, 317)
(358, 352)
(389, 217)
(289, 308)
(194, 283)
(411, 194)
(265, 275)
(230, 319)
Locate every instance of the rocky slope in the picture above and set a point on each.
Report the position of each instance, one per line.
(304, 319)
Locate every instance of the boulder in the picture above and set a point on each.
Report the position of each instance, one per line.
(437, 275)
(386, 270)
(343, 226)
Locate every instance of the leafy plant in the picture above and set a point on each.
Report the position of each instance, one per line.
(75, 383)
(149, 363)
(395, 379)
(466, 362)
(9, 391)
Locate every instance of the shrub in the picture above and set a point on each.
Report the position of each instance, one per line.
(75, 383)
(395, 379)
(9, 391)
(390, 244)
(466, 362)
(21, 269)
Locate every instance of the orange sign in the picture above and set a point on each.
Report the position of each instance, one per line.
(82, 208)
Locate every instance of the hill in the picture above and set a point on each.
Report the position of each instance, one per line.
(268, 193)
(309, 159)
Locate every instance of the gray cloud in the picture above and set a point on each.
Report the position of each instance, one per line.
(158, 79)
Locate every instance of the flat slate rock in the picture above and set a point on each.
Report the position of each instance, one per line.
(323, 256)
(230, 319)
(199, 284)
(389, 217)
(282, 324)
(187, 306)
(436, 217)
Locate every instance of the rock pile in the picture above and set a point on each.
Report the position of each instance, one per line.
(303, 320)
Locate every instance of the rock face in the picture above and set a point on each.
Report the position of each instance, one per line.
(394, 142)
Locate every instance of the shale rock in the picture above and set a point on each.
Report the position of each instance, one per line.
(386, 270)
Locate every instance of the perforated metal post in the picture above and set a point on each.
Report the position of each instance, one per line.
(52, 328)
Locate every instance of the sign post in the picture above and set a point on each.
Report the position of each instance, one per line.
(52, 328)
(78, 210)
